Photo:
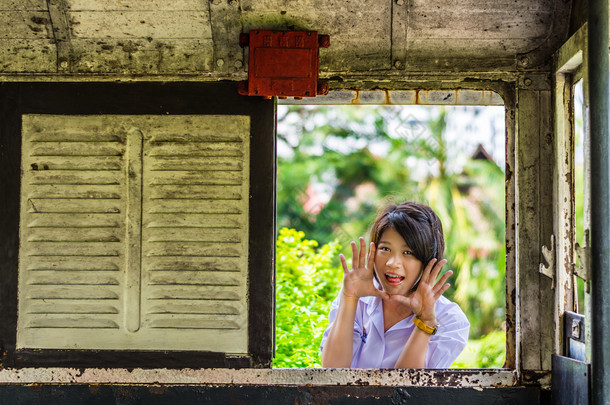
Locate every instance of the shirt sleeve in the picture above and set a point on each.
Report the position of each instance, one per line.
(358, 334)
(451, 338)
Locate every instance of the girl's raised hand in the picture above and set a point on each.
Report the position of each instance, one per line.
(423, 300)
(359, 281)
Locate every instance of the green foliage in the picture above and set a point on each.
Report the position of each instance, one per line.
(307, 282)
(487, 352)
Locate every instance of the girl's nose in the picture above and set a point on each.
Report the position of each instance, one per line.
(392, 261)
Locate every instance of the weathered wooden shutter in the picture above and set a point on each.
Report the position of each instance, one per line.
(134, 232)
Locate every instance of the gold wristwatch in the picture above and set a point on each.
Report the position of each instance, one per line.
(425, 328)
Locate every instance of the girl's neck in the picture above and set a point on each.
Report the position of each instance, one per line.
(393, 313)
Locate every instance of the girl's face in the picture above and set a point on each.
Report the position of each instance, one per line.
(395, 265)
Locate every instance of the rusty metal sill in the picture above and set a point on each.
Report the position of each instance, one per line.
(483, 378)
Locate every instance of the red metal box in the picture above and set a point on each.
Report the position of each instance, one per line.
(283, 64)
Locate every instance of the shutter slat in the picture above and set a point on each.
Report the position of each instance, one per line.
(74, 249)
(52, 277)
(193, 149)
(180, 206)
(74, 206)
(195, 278)
(76, 177)
(73, 292)
(205, 164)
(76, 235)
(198, 322)
(77, 149)
(196, 307)
(72, 263)
(196, 191)
(75, 220)
(196, 178)
(203, 249)
(70, 163)
(195, 235)
(72, 307)
(66, 322)
(229, 221)
(186, 292)
(193, 263)
(76, 191)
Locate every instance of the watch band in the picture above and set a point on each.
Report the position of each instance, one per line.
(423, 327)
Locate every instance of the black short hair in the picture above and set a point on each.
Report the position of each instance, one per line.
(418, 225)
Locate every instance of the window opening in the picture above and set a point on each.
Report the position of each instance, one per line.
(579, 184)
(338, 164)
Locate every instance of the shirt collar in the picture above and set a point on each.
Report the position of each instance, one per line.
(374, 310)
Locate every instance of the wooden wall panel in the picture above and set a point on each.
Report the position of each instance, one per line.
(534, 222)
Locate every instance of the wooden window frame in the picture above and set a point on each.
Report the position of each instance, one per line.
(143, 98)
(527, 366)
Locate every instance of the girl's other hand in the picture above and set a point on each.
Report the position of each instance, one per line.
(423, 300)
(359, 281)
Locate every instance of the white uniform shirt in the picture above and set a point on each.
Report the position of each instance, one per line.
(372, 348)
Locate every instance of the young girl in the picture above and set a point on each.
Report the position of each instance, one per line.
(390, 312)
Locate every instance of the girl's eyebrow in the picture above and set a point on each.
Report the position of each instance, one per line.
(388, 243)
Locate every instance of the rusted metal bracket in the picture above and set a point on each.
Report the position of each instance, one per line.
(61, 33)
(549, 257)
(584, 255)
(400, 9)
(225, 21)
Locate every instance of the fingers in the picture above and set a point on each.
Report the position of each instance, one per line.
(382, 294)
(402, 299)
(371, 262)
(343, 263)
(437, 270)
(441, 291)
(441, 282)
(362, 255)
(432, 270)
(355, 263)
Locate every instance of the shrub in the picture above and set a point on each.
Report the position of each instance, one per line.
(308, 279)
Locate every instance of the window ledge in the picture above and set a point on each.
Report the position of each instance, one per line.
(462, 378)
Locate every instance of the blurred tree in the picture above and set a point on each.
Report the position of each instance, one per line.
(471, 205)
(330, 184)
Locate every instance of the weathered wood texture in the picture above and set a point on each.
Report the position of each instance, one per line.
(190, 37)
(306, 395)
(122, 260)
(511, 236)
(534, 222)
(563, 197)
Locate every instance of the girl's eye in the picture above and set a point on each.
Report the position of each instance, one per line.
(407, 252)
(384, 249)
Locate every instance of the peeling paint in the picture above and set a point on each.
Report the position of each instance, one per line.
(277, 377)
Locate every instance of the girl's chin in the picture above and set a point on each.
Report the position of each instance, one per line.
(397, 290)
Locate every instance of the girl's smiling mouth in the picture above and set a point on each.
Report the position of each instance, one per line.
(393, 279)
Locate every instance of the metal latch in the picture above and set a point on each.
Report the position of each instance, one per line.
(549, 256)
(574, 335)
